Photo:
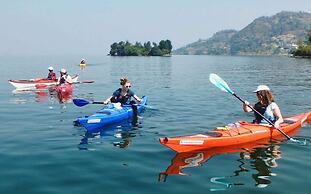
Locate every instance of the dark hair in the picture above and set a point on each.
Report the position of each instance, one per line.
(265, 96)
(123, 81)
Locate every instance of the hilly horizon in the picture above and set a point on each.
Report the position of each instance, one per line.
(274, 35)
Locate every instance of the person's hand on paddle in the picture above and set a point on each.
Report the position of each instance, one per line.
(246, 106)
(106, 102)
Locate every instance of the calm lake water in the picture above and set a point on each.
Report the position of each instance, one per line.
(42, 152)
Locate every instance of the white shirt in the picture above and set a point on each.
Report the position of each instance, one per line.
(269, 112)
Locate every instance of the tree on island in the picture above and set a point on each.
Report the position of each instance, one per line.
(304, 49)
(127, 49)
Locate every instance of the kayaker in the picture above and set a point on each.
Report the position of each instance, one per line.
(51, 75)
(123, 94)
(82, 63)
(265, 106)
(64, 78)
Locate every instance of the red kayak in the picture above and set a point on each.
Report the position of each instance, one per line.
(63, 91)
(234, 134)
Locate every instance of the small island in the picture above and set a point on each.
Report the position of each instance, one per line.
(304, 49)
(164, 48)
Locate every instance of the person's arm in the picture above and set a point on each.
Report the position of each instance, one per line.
(137, 98)
(108, 100)
(277, 113)
(246, 107)
(68, 79)
(58, 80)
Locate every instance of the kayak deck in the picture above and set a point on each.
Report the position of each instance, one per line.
(233, 134)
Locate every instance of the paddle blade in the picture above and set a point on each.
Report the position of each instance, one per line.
(80, 102)
(220, 83)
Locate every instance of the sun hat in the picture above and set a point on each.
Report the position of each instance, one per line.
(50, 68)
(63, 70)
(262, 87)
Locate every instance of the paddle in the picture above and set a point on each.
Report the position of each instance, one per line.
(82, 102)
(221, 84)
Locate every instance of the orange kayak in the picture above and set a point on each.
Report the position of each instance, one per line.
(234, 134)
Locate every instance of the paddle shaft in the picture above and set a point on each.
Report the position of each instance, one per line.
(124, 105)
(262, 116)
(96, 102)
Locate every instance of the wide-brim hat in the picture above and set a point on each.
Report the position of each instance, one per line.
(262, 87)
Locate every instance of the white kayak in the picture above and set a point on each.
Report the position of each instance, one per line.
(32, 83)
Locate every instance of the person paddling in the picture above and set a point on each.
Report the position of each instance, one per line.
(123, 95)
(82, 63)
(52, 74)
(265, 106)
(64, 78)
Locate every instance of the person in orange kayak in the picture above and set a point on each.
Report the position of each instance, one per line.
(123, 95)
(51, 75)
(265, 106)
(64, 78)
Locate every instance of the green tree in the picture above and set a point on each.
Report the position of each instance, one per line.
(127, 49)
(155, 50)
(147, 48)
(114, 48)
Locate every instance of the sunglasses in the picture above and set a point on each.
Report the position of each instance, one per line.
(128, 86)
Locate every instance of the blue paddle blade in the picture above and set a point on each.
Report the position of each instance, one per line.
(220, 83)
(80, 102)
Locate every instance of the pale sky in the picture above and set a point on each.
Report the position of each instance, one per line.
(89, 27)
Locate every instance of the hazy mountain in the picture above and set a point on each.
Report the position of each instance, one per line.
(274, 35)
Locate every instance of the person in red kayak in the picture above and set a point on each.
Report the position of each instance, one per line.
(123, 95)
(64, 78)
(265, 106)
(51, 75)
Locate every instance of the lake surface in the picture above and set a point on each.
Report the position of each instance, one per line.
(42, 152)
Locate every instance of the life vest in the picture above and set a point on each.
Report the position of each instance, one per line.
(262, 110)
(51, 76)
(117, 97)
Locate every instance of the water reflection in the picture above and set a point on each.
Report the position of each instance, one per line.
(39, 96)
(263, 160)
(120, 135)
(256, 158)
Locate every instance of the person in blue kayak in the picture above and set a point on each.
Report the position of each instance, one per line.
(123, 95)
(51, 75)
(64, 78)
(265, 106)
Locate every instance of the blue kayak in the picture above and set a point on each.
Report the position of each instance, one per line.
(109, 115)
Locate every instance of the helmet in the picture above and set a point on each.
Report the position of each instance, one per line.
(63, 70)
(262, 87)
(50, 68)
